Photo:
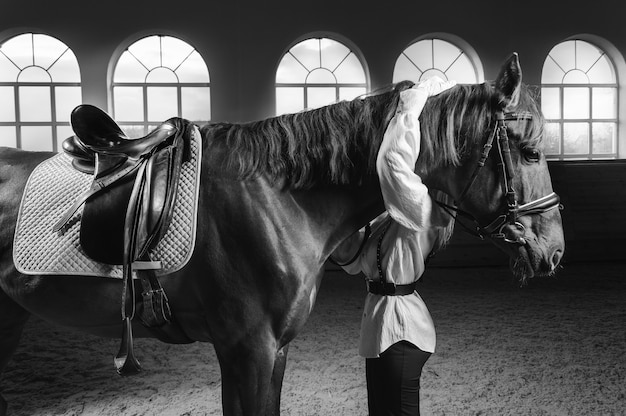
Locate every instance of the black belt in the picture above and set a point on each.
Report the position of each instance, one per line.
(389, 289)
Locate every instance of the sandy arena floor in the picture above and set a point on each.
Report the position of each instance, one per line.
(556, 347)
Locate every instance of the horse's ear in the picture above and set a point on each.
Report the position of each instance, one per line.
(509, 82)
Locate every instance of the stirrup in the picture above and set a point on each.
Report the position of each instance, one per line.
(125, 361)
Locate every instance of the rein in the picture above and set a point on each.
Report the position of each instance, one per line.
(513, 211)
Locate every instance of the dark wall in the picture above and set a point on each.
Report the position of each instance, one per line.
(243, 41)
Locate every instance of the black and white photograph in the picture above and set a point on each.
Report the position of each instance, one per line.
(329, 208)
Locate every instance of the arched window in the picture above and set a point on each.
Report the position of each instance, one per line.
(435, 57)
(317, 72)
(39, 87)
(579, 101)
(156, 78)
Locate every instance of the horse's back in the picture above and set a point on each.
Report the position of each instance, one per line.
(15, 168)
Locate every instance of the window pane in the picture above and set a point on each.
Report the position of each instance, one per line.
(430, 57)
(34, 74)
(63, 132)
(321, 76)
(8, 136)
(602, 72)
(552, 138)
(196, 102)
(320, 96)
(332, 53)
(421, 54)
(67, 98)
(604, 138)
(128, 103)
(194, 69)
(162, 75)
(128, 69)
(174, 51)
(308, 53)
(35, 104)
(8, 71)
(604, 104)
(289, 100)
(551, 72)
(290, 71)
(20, 49)
(575, 77)
(7, 109)
(147, 51)
(134, 132)
(350, 71)
(575, 102)
(162, 103)
(550, 103)
(47, 50)
(37, 138)
(65, 69)
(444, 54)
(350, 93)
(405, 70)
(564, 54)
(586, 55)
(462, 71)
(576, 138)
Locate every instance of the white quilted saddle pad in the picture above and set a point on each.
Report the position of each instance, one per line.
(51, 190)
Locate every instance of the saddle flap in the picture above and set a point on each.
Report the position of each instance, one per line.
(149, 192)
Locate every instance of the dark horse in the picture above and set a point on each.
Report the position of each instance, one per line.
(276, 199)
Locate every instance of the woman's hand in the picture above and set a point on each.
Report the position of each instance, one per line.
(414, 99)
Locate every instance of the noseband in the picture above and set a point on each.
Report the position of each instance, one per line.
(514, 210)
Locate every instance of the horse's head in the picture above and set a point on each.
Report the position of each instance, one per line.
(482, 144)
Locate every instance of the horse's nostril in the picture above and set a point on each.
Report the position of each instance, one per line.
(557, 255)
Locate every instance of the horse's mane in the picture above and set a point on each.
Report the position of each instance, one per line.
(456, 121)
(336, 144)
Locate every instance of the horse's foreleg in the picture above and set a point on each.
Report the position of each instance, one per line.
(12, 320)
(273, 404)
(247, 374)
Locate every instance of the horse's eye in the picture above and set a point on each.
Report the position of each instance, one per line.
(532, 155)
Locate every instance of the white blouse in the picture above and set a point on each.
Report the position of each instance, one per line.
(406, 243)
(390, 319)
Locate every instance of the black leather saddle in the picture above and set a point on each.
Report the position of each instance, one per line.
(129, 206)
(140, 174)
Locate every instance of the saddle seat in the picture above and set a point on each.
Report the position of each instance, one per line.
(98, 134)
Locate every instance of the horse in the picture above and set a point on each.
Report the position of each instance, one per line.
(278, 196)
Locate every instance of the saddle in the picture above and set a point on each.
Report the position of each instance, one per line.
(128, 207)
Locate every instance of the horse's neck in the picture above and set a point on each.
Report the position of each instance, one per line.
(340, 211)
(448, 179)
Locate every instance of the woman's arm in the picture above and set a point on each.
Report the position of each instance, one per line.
(406, 197)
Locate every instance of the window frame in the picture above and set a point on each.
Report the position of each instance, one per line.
(455, 41)
(590, 120)
(54, 124)
(146, 124)
(337, 86)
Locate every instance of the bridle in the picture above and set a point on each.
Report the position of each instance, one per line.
(495, 229)
(513, 211)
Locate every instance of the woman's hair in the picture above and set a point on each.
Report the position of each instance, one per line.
(443, 234)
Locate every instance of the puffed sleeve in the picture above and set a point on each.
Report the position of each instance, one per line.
(405, 196)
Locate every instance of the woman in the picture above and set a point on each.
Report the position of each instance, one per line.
(397, 331)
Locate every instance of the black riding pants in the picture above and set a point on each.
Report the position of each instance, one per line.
(393, 380)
